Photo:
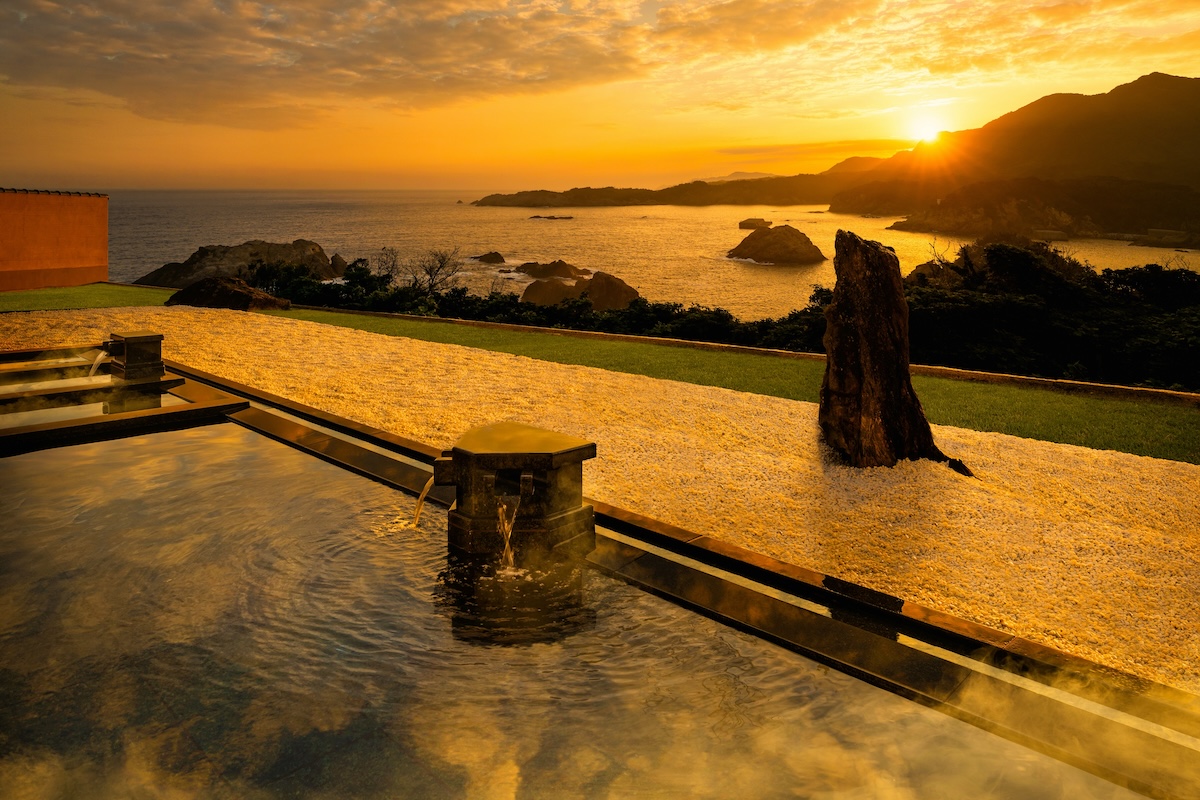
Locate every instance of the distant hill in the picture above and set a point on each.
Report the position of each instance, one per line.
(740, 176)
(856, 164)
(789, 191)
(1073, 207)
(1145, 131)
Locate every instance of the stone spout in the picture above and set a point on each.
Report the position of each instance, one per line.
(536, 473)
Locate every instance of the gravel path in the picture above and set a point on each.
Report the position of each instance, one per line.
(1093, 552)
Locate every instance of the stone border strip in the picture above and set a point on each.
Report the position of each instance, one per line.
(1126, 749)
(953, 373)
(1171, 396)
(892, 616)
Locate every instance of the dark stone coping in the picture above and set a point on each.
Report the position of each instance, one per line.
(958, 635)
(508, 445)
(1135, 695)
(879, 638)
(1122, 751)
(201, 410)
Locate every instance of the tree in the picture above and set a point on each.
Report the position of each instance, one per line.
(434, 272)
(359, 277)
(387, 262)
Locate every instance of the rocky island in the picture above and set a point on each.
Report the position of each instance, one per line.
(559, 281)
(782, 245)
(217, 261)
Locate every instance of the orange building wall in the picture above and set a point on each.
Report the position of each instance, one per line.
(52, 239)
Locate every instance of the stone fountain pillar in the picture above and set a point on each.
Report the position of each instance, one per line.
(136, 355)
(137, 370)
(535, 471)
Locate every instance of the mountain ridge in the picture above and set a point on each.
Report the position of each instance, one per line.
(1143, 131)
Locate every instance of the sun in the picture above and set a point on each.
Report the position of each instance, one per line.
(925, 129)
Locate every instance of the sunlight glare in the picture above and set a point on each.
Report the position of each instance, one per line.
(925, 129)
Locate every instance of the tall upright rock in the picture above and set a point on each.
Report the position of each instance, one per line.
(869, 412)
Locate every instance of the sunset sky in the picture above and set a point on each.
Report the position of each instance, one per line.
(523, 94)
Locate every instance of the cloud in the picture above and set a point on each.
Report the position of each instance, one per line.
(757, 24)
(1027, 38)
(239, 62)
(814, 149)
(251, 63)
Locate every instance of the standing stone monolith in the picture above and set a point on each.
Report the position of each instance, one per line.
(869, 412)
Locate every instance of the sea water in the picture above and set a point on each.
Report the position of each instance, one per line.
(668, 253)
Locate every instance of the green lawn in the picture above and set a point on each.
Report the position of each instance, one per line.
(1134, 426)
(94, 295)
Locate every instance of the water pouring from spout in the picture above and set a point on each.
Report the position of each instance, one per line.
(505, 527)
(101, 358)
(421, 501)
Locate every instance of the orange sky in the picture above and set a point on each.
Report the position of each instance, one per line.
(522, 94)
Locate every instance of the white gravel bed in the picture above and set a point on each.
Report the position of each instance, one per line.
(1093, 552)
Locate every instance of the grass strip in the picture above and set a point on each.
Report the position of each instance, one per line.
(94, 295)
(1141, 427)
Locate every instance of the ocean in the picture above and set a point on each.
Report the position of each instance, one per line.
(668, 253)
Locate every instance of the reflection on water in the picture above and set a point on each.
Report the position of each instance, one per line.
(221, 616)
(490, 603)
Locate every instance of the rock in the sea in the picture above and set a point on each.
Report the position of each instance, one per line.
(550, 292)
(223, 292)
(608, 292)
(780, 245)
(489, 258)
(869, 412)
(604, 291)
(338, 265)
(222, 260)
(555, 269)
(754, 223)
